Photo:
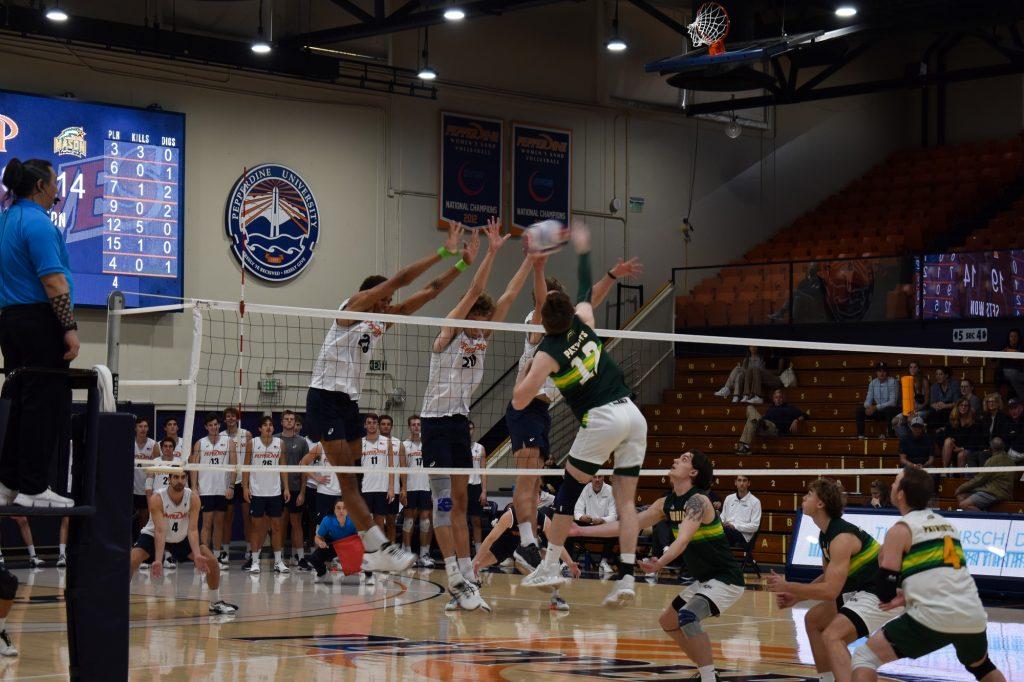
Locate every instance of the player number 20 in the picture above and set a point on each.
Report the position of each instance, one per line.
(589, 349)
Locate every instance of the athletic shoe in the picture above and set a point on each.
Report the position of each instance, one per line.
(254, 567)
(558, 604)
(35, 562)
(281, 567)
(62, 561)
(527, 558)
(452, 605)
(738, 399)
(321, 577)
(723, 392)
(144, 566)
(247, 564)
(47, 498)
(6, 645)
(170, 564)
(718, 678)
(603, 567)
(304, 564)
(466, 594)
(622, 595)
(742, 449)
(544, 576)
(370, 579)
(7, 495)
(222, 607)
(484, 606)
(426, 562)
(223, 559)
(755, 400)
(390, 557)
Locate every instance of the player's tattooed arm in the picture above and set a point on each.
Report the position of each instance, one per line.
(695, 508)
(693, 516)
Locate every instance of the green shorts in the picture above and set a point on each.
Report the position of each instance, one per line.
(910, 639)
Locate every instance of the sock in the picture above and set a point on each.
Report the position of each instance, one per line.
(627, 562)
(214, 595)
(707, 673)
(553, 556)
(451, 567)
(226, 549)
(299, 553)
(826, 677)
(3, 623)
(63, 549)
(277, 556)
(372, 538)
(31, 550)
(526, 537)
(466, 567)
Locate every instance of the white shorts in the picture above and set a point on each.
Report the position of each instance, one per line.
(862, 610)
(721, 595)
(618, 427)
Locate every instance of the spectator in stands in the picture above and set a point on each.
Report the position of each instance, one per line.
(1012, 371)
(757, 379)
(1015, 433)
(734, 384)
(985, 490)
(916, 447)
(882, 401)
(879, 495)
(963, 435)
(594, 507)
(944, 395)
(994, 422)
(780, 419)
(921, 396)
(967, 392)
(741, 514)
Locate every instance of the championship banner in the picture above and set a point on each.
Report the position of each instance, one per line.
(541, 174)
(471, 164)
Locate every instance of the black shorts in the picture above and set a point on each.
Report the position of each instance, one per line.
(213, 503)
(324, 504)
(178, 550)
(446, 442)
(271, 505)
(292, 504)
(332, 415)
(239, 495)
(505, 545)
(473, 506)
(530, 427)
(140, 501)
(378, 504)
(418, 499)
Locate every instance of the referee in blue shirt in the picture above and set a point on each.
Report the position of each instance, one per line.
(37, 329)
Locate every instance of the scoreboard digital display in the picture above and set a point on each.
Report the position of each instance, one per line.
(120, 191)
(973, 285)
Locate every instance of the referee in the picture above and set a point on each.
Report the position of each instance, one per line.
(37, 329)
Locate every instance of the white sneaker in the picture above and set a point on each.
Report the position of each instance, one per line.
(452, 605)
(604, 567)
(35, 562)
(466, 594)
(558, 604)
(370, 579)
(723, 392)
(280, 567)
(47, 498)
(426, 561)
(7, 497)
(390, 558)
(755, 400)
(544, 576)
(737, 399)
(222, 607)
(7, 647)
(622, 595)
(62, 561)
(254, 567)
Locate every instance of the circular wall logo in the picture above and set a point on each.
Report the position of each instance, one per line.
(273, 222)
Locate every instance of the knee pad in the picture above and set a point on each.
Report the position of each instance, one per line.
(424, 525)
(864, 657)
(979, 671)
(441, 491)
(689, 623)
(568, 493)
(8, 585)
(407, 524)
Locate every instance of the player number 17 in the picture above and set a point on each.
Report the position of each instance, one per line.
(590, 349)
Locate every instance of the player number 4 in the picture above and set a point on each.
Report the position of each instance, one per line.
(590, 349)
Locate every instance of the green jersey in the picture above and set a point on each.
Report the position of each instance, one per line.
(586, 377)
(707, 555)
(863, 564)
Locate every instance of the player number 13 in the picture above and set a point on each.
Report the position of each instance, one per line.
(589, 349)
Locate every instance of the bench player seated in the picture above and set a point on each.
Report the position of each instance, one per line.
(174, 526)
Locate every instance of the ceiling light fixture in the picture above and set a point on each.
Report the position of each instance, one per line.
(426, 73)
(55, 13)
(261, 45)
(846, 11)
(616, 42)
(454, 13)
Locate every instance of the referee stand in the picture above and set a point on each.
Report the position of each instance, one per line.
(97, 589)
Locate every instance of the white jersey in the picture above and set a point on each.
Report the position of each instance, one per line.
(375, 454)
(939, 589)
(144, 452)
(215, 452)
(414, 456)
(176, 517)
(161, 481)
(310, 483)
(548, 390)
(396, 448)
(179, 449)
(332, 486)
(455, 373)
(345, 356)
(478, 463)
(239, 438)
(268, 484)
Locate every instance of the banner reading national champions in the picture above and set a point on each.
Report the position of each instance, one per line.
(541, 174)
(120, 190)
(471, 167)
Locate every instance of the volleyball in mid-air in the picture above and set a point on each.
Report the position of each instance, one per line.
(547, 236)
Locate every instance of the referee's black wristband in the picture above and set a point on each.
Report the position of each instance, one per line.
(609, 273)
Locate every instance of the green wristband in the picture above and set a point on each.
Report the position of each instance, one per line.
(461, 265)
(443, 252)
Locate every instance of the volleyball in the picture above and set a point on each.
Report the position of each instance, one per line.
(547, 236)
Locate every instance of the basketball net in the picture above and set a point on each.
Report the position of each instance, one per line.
(710, 27)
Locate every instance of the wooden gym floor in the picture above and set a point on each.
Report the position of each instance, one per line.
(290, 628)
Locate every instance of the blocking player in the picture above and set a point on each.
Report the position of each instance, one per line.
(416, 496)
(239, 438)
(923, 551)
(456, 369)
(700, 539)
(174, 526)
(266, 494)
(476, 489)
(214, 488)
(144, 446)
(848, 607)
(332, 407)
(294, 448)
(593, 385)
(395, 457)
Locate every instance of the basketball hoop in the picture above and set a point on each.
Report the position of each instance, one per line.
(710, 27)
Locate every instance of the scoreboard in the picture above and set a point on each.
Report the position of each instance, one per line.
(973, 285)
(120, 191)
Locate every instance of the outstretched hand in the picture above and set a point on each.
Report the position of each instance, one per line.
(454, 236)
(580, 236)
(495, 240)
(629, 268)
(470, 248)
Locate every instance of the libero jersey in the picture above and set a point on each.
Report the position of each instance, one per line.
(939, 589)
(176, 516)
(144, 452)
(268, 484)
(345, 356)
(707, 555)
(863, 565)
(586, 377)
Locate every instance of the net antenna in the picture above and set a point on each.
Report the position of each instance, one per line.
(710, 27)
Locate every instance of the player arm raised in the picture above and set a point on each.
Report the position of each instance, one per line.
(831, 582)
(647, 518)
(696, 511)
(156, 513)
(441, 282)
(246, 495)
(628, 268)
(890, 562)
(515, 285)
(580, 237)
(540, 294)
(538, 370)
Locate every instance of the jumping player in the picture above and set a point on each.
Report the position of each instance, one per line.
(416, 496)
(332, 407)
(174, 526)
(266, 495)
(923, 551)
(214, 488)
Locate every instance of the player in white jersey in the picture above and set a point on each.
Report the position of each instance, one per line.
(325, 490)
(169, 457)
(144, 450)
(214, 488)
(416, 496)
(923, 551)
(174, 526)
(377, 487)
(266, 494)
(173, 430)
(476, 489)
(456, 369)
(332, 407)
(239, 438)
(396, 456)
